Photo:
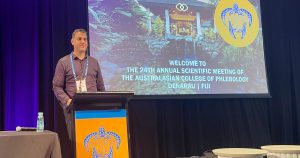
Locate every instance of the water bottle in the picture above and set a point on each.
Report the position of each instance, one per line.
(40, 122)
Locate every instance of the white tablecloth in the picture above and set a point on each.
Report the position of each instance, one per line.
(239, 153)
(282, 151)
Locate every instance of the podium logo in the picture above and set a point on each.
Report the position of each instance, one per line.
(237, 22)
(102, 144)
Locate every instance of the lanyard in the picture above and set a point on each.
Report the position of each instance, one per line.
(86, 66)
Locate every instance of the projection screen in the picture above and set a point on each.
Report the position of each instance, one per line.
(171, 47)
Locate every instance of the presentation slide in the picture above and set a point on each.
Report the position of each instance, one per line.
(168, 47)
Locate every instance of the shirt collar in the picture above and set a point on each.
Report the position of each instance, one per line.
(75, 57)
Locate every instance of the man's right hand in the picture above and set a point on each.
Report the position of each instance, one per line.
(69, 102)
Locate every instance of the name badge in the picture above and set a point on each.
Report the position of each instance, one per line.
(81, 86)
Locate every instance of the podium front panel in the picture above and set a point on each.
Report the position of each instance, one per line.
(101, 133)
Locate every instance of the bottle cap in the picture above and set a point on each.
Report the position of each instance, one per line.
(40, 113)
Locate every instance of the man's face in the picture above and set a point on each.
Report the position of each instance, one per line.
(79, 42)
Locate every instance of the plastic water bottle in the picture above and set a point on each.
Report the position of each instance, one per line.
(40, 122)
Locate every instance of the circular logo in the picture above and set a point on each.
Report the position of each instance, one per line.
(237, 22)
(182, 7)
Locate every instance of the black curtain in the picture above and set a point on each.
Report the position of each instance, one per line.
(174, 127)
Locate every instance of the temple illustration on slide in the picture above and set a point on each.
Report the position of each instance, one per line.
(184, 19)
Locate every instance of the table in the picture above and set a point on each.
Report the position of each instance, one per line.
(31, 144)
(239, 152)
(282, 151)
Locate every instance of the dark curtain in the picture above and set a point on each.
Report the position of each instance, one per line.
(35, 34)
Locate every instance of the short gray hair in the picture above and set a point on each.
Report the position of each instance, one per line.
(78, 30)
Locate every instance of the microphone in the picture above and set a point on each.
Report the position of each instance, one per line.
(18, 129)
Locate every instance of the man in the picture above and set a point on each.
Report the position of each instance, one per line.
(76, 72)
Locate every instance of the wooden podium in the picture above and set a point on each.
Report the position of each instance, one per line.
(101, 124)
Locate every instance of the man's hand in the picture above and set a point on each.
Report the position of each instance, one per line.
(69, 102)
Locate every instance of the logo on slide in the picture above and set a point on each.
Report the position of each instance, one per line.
(237, 22)
(102, 144)
(182, 7)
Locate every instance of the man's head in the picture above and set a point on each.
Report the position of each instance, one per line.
(79, 40)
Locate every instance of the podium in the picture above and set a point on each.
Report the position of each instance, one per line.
(100, 124)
